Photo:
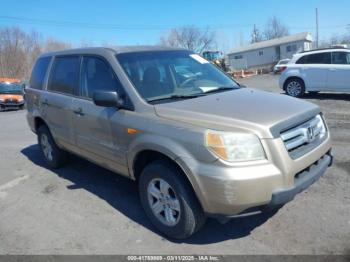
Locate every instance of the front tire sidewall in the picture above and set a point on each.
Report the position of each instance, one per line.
(190, 215)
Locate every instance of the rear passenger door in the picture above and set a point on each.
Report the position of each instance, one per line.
(339, 72)
(57, 101)
(93, 124)
(315, 70)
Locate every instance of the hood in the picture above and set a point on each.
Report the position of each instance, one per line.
(241, 110)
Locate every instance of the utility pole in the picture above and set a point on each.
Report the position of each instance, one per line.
(317, 28)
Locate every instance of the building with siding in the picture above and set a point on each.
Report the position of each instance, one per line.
(267, 53)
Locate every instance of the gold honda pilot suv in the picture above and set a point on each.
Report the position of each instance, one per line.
(197, 143)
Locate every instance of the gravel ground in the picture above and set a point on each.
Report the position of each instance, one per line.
(84, 209)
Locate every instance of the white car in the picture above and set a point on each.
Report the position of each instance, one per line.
(280, 66)
(316, 71)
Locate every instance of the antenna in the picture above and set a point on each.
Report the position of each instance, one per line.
(316, 28)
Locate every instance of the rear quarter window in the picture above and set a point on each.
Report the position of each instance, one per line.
(39, 72)
(319, 58)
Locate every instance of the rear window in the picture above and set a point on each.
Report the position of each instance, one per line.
(320, 58)
(39, 72)
(64, 75)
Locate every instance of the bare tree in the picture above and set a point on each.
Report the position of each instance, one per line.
(275, 29)
(256, 36)
(52, 44)
(189, 37)
(19, 50)
(336, 40)
(12, 52)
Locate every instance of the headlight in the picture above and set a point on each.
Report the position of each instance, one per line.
(321, 126)
(234, 147)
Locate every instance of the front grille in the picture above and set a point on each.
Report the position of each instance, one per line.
(303, 138)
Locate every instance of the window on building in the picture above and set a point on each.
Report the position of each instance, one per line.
(261, 53)
(291, 48)
(238, 56)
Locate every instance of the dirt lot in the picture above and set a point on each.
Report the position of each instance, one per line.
(84, 209)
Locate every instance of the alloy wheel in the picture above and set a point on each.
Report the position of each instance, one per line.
(164, 202)
(46, 147)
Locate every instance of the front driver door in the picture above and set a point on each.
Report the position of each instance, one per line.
(93, 124)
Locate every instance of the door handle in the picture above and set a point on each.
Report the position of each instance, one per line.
(78, 111)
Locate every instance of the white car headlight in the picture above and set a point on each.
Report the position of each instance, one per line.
(234, 147)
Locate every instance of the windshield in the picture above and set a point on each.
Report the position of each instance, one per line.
(161, 75)
(10, 89)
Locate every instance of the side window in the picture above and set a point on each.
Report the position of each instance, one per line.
(320, 58)
(97, 75)
(39, 72)
(64, 75)
(341, 58)
(302, 60)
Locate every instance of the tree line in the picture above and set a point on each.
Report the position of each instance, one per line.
(19, 49)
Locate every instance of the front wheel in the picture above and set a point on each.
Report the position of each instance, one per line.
(169, 200)
(295, 87)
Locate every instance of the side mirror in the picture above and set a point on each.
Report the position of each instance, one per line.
(107, 99)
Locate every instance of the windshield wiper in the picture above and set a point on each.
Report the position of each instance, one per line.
(220, 89)
(172, 97)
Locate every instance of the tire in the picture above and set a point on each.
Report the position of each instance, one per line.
(295, 87)
(186, 213)
(53, 155)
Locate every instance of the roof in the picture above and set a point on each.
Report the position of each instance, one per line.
(116, 49)
(305, 36)
(317, 51)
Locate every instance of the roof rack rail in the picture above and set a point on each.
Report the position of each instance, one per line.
(326, 48)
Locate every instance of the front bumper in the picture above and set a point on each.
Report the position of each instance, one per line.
(228, 191)
(11, 105)
(302, 181)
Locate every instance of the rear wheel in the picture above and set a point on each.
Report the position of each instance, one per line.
(53, 155)
(295, 87)
(169, 200)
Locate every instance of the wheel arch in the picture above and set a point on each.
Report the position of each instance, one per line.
(38, 122)
(145, 156)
